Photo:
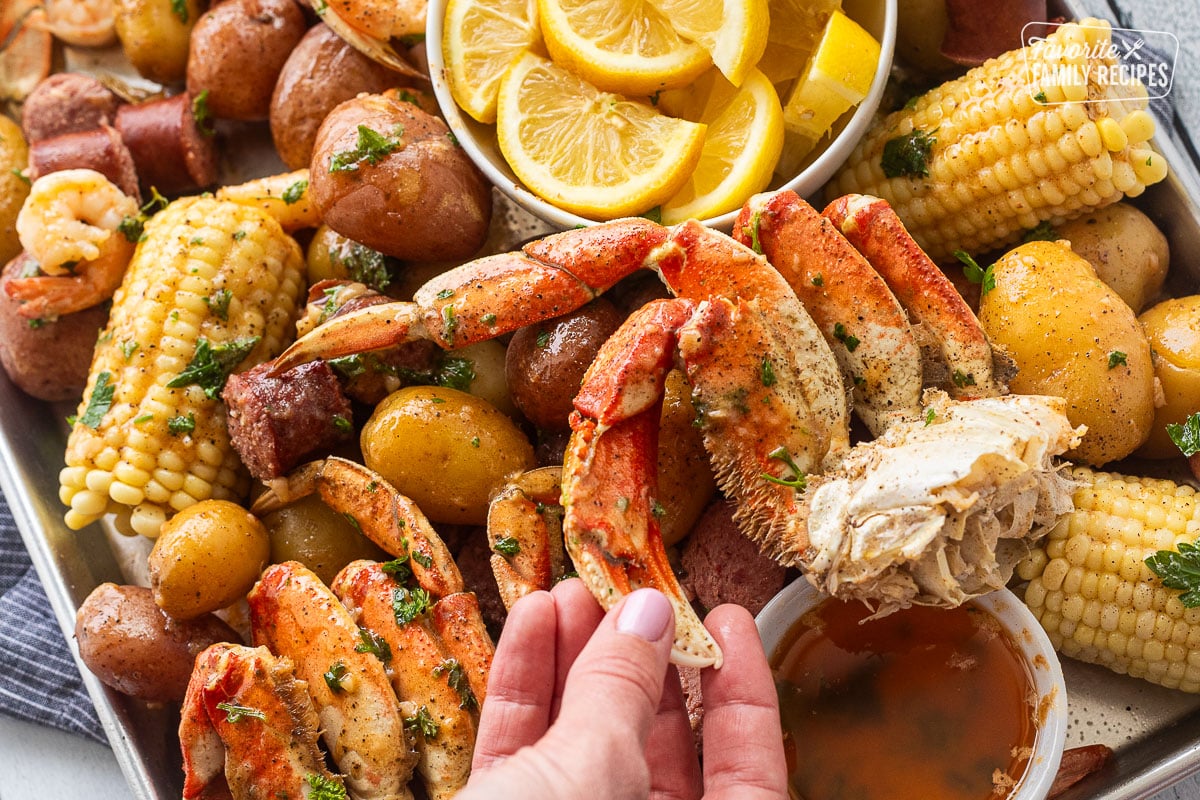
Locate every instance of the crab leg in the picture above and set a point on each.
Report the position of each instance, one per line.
(862, 320)
(874, 229)
(458, 620)
(439, 715)
(527, 512)
(297, 616)
(247, 716)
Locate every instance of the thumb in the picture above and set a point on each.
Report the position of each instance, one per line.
(614, 686)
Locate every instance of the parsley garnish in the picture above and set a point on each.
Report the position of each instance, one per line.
(457, 679)
(203, 117)
(335, 676)
(21, 174)
(1040, 97)
(408, 604)
(507, 546)
(930, 416)
(1179, 570)
(365, 265)
(235, 712)
(1044, 232)
(658, 509)
(138, 420)
(450, 323)
(818, 280)
(419, 557)
(1116, 359)
(293, 193)
(324, 788)
(133, 227)
(128, 348)
(371, 147)
(488, 319)
(412, 39)
(210, 366)
(218, 304)
(543, 338)
(370, 642)
(445, 294)
(100, 401)
(962, 379)
(1186, 436)
(398, 568)
(342, 424)
(422, 721)
(766, 373)
(474, 441)
(986, 278)
(908, 155)
(798, 481)
(179, 8)
(755, 221)
(839, 333)
(178, 425)
(654, 214)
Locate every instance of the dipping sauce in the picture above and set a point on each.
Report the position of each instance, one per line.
(924, 704)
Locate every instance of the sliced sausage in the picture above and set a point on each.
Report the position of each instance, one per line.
(67, 102)
(170, 151)
(101, 149)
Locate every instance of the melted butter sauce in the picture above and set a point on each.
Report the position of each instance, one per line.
(924, 704)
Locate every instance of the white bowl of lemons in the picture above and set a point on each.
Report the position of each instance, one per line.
(587, 110)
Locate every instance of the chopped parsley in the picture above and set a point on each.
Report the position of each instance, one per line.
(543, 339)
(1044, 232)
(798, 481)
(658, 510)
(755, 243)
(1040, 97)
(178, 425)
(370, 147)
(654, 214)
(218, 304)
(202, 115)
(133, 227)
(422, 721)
(324, 788)
(412, 39)
(342, 424)
(370, 642)
(235, 712)
(1116, 359)
(335, 676)
(475, 441)
(766, 373)
(21, 174)
(398, 568)
(128, 347)
(450, 323)
(839, 333)
(293, 193)
(456, 677)
(507, 546)
(100, 401)
(210, 366)
(1186, 436)
(962, 379)
(364, 265)
(138, 420)
(408, 604)
(986, 278)
(488, 319)
(1179, 569)
(405, 96)
(239, 235)
(930, 416)
(908, 155)
(419, 557)
(818, 280)
(179, 9)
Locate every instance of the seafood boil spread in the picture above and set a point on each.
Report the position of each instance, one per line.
(357, 430)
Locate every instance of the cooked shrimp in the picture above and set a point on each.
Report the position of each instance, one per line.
(68, 224)
(86, 23)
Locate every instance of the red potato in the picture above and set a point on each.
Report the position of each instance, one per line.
(134, 647)
(48, 360)
(389, 175)
(321, 72)
(238, 50)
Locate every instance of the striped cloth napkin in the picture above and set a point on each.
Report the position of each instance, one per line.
(38, 678)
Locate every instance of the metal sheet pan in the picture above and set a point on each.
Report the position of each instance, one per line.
(1155, 732)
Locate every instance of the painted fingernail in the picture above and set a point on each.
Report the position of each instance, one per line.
(645, 614)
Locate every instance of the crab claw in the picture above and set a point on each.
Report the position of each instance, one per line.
(248, 728)
(524, 526)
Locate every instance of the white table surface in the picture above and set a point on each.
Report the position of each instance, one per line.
(38, 763)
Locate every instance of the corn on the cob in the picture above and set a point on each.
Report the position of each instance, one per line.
(148, 442)
(1007, 151)
(1090, 586)
(285, 197)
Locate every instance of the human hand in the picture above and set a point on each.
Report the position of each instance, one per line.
(582, 705)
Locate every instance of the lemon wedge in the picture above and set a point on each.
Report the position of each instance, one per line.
(481, 39)
(796, 27)
(590, 152)
(734, 32)
(742, 144)
(837, 78)
(624, 46)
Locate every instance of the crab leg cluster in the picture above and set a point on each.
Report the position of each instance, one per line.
(392, 674)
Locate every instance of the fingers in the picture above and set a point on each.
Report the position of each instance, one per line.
(671, 747)
(521, 684)
(578, 615)
(743, 743)
(612, 693)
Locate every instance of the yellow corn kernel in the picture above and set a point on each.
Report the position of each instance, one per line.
(1015, 155)
(1095, 596)
(124, 452)
(285, 197)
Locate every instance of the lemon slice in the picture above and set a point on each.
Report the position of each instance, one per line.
(734, 32)
(796, 27)
(742, 144)
(590, 152)
(481, 39)
(838, 77)
(623, 46)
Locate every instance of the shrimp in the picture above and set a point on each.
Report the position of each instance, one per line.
(67, 226)
(85, 23)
